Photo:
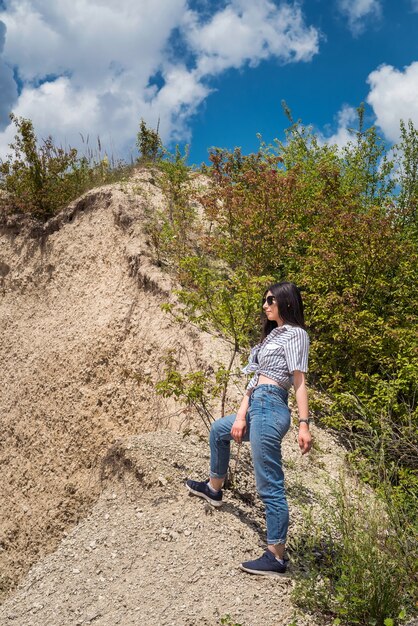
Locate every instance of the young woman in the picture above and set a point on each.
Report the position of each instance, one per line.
(263, 418)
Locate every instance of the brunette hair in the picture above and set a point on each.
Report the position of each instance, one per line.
(289, 303)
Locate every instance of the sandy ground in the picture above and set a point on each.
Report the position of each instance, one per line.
(150, 554)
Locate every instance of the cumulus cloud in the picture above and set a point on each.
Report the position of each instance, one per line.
(8, 89)
(347, 118)
(95, 67)
(359, 12)
(248, 32)
(394, 96)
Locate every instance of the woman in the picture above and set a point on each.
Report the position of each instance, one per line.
(263, 418)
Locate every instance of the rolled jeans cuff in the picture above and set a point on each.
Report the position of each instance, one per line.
(214, 475)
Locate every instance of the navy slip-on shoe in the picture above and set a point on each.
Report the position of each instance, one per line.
(266, 565)
(202, 490)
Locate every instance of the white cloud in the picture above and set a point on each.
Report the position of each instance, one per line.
(248, 32)
(394, 96)
(8, 89)
(358, 12)
(87, 66)
(414, 5)
(347, 118)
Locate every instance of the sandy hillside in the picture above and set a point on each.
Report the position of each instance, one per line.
(82, 344)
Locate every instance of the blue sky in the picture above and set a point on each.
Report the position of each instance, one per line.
(214, 72)
(248, 101)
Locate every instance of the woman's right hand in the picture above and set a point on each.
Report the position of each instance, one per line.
(239, 428)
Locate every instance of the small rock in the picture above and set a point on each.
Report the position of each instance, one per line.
(208, 509)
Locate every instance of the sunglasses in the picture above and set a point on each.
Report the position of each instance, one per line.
(270, 300)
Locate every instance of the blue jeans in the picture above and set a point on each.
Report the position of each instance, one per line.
(268, 420)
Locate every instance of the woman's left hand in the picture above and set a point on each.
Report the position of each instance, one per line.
(304, 439)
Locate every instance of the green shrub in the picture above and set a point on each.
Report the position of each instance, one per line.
(148, 143)
(356, 564)
(42, 179)
(342, 225)
(173, 230)
(335, 224)
(227, 620)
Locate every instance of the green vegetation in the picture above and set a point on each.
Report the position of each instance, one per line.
(354, 564)
(148, 143)
(343, 225)
(170, 229)
(40, 178)
(228, 621)
(197, 389)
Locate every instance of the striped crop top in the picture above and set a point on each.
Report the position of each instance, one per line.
(284, 350)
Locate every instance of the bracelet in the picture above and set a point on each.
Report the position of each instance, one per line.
(307, 421)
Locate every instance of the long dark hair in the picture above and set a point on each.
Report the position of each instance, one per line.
(290, 305)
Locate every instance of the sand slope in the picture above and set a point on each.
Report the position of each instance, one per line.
(81, 346)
